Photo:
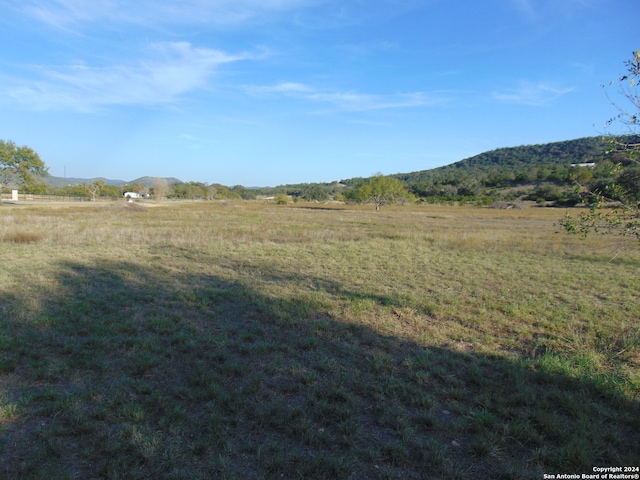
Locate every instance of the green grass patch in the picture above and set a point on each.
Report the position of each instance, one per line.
(254, 341)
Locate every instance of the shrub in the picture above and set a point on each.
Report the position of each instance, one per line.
(547, 191)
(282, 199)
(23, 237)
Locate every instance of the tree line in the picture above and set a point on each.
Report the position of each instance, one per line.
(546, 173)
(591, 171)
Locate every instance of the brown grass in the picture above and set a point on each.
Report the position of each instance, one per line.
(247, 340)
(23, 237)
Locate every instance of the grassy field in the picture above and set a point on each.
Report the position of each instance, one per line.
(246, 340)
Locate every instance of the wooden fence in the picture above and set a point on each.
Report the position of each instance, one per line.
(32, 197)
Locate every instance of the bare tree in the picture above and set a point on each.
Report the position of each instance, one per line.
(160, 188)
(93, 188)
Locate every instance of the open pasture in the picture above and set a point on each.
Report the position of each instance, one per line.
(249, 340)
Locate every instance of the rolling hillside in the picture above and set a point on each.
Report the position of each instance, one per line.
(64, 181)
(534, 172)
(545, 172)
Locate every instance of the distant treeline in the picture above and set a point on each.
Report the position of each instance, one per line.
(544, 173)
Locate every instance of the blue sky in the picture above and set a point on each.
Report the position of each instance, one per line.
(268, 92)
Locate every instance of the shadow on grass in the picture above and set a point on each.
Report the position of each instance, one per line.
(120, 371)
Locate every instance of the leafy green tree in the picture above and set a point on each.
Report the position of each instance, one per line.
(629, 182)
(245, 193)
(222, 192)
(314, 193)
(19, 166)
(625, 189)
(190, 190)
(380, 190)
(110, 191)
(76, 190)
(581, 174)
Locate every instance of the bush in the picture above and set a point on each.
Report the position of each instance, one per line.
(282, 199)
(547, 191)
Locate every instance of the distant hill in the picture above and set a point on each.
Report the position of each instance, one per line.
(64, 181)
(525, 163)
(148, 181)
(546, 171)
(508, 161)
(503, 166)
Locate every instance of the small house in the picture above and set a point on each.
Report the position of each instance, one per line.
(134, 195)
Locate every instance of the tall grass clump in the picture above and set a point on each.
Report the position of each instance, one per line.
(22, 237)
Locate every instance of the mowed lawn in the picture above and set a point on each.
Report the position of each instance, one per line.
(247, 340)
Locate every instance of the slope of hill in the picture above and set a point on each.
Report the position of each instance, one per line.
(524, 164)
(148, 181)
(535, 172)
(64, 181)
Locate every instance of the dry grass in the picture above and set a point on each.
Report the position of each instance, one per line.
(244, 340)
(23, 237)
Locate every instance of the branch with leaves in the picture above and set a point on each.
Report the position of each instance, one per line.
(615, 209)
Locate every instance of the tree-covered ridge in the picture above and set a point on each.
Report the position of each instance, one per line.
(546, 172)
(552, 168)
(523, 164)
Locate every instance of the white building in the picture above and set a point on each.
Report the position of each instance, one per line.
(134, 195)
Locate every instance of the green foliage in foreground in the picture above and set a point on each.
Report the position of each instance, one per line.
(210, 341)
(624, 186)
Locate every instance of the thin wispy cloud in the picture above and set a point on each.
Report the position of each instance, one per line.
(240, 75)
(541, 11)
(345, 100)
(526, 9)
(170, 71)
(291, 88)
(367, 48)
(69, 13)
(532, 94)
